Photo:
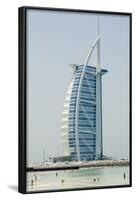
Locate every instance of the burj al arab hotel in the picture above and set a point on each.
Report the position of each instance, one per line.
(81, 124)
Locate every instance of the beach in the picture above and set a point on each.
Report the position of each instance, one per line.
(78, 178)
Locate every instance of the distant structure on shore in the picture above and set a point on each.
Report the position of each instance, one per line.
(82, 114)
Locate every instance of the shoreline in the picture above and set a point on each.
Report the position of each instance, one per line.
(78, 165)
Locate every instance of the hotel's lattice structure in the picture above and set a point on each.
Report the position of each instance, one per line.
(82, 114)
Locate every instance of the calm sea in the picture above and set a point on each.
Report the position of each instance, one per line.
(84, 177)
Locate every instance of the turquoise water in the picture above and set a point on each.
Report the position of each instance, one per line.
(84, 177)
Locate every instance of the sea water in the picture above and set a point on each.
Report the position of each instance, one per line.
(78, 178)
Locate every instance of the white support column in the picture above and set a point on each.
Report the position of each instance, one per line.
(99, 146)
(99, 116)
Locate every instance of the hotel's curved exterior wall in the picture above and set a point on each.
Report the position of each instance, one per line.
(82, 115)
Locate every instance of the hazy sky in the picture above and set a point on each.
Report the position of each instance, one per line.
(56, 39)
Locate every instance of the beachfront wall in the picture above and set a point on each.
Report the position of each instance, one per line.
(82, 115)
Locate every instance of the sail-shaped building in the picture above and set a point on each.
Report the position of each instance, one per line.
(82, 114)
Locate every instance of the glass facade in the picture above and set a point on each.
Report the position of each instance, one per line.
(81, 127)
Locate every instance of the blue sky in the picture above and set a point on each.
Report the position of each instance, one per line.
(56, 39)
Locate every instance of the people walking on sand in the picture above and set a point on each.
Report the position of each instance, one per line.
(124, 175)
(32, 182)
(56, 174)
(35, 177)
(98, 179)
(94, 180)
(62, 181)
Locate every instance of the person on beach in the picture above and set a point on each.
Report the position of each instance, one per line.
(94, 180)
(35, 177)
(32, 182)
(124, 175)
(56, 174)
(62, 181)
